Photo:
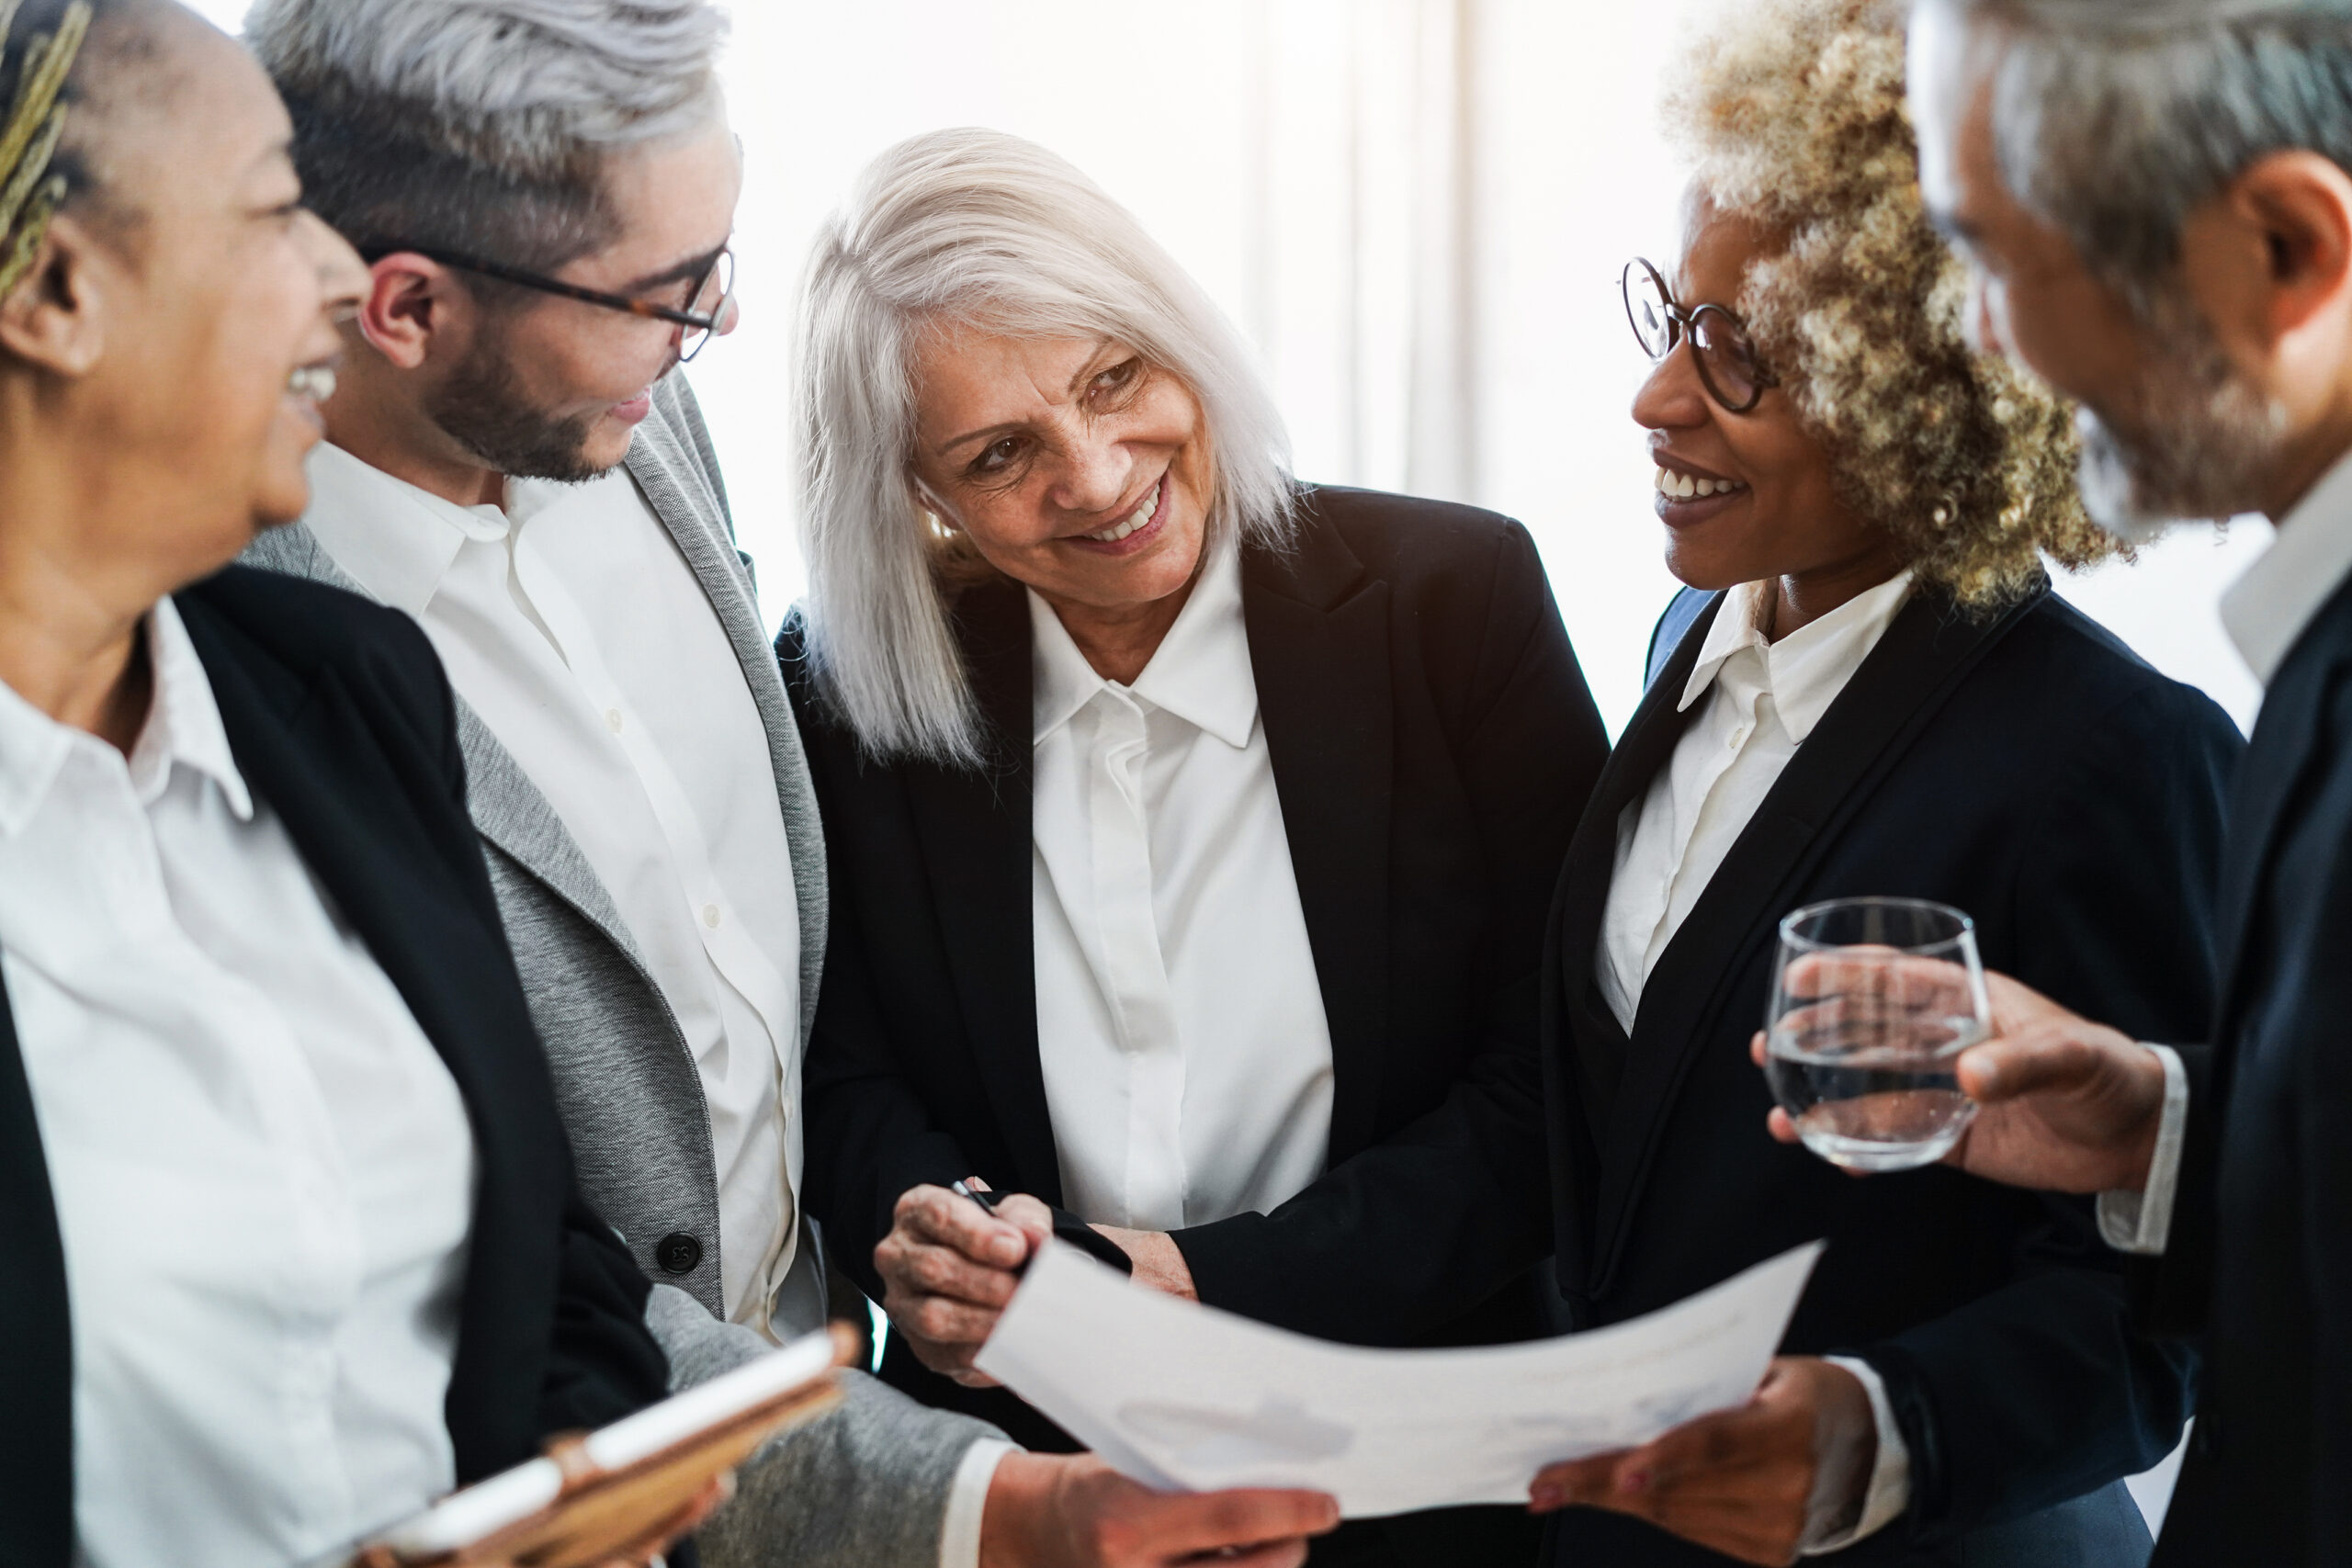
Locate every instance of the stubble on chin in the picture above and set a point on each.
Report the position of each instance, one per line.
(483, 406)
(2196, 444)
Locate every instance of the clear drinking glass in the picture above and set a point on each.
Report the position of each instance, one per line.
(1873, 999)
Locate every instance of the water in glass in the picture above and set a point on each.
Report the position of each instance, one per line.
(1873, 999)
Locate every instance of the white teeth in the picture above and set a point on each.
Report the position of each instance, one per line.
(1689, 486)
(315, 382)
(1133, 520)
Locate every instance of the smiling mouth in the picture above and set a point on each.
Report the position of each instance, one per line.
(313, 384)
(1139, 517)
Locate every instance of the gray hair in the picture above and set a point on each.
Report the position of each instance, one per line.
(981, 227)
(2114, 119)
(480, 126)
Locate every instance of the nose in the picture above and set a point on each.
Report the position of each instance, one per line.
(344, 278)
(1095, 473)
(1673, 398)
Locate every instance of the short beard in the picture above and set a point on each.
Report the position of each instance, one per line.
(2199, 442)
(483, 408)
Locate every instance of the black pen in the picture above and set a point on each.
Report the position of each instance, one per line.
(1067, 1227)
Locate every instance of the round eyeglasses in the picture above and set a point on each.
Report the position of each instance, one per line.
(1720, 347)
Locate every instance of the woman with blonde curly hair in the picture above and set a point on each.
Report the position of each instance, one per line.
(1868, 688)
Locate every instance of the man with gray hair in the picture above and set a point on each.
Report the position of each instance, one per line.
(545, 190)
(2156, 201)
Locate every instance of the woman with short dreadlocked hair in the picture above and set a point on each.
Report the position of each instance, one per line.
(1866, 689)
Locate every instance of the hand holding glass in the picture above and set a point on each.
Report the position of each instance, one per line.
(1873, 999)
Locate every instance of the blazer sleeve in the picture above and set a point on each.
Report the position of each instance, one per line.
(864, 1486)
(2114, 915)
(1430, 1222)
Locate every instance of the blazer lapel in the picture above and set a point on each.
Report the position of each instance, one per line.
(35, 1323)
(696, 515)
(2287, 738)
(975, 830)
(1319, 653)
(1922, 657)
(347, 805)
(1645, 748)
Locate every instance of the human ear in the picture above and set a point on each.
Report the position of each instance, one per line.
(2284, 229)
(410, 306)
(55, 317)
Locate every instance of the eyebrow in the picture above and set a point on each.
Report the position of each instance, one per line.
(687, 271)
(1087, 372)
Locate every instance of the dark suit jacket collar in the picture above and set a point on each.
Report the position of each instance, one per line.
(1914, 667)
(1318, 643)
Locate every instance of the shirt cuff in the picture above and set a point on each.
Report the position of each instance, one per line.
(967, 1500)
(2141, 1221)
(1889, 1493)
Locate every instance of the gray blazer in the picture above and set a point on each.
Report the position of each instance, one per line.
(868, 1484)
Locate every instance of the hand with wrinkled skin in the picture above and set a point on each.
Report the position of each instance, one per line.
(1746, 1483)
(1074, 1511)
(2064, 1104)
(948, 1268)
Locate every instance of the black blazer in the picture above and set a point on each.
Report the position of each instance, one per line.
(2259, 1258)
(338, 715)
(2032, 771)
(1432, 741)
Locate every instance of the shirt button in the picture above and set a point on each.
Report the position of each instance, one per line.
(710, 916)
(613, 720)
(678, 1253)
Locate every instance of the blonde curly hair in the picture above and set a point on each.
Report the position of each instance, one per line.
(1793, 112)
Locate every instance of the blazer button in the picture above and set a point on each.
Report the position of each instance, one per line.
(678, 1253)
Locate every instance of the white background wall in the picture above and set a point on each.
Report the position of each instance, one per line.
(1281, 148)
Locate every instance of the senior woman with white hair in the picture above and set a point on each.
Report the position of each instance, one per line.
(1191, 830)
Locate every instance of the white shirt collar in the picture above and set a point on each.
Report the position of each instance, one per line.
(1200, 672)
(2267, 607)
(183, 728)
(1805, 670)
(397, 541)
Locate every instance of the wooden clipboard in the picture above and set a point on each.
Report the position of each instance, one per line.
(607, 1494)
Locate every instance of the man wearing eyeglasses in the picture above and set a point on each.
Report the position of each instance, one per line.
(544, 190)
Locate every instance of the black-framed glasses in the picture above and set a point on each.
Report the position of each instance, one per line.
(703, 316)
(1729, 364)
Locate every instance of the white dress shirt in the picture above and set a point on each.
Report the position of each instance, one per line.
(1180, 1022)
(1763, 698)
(572, 625)
(2265, 613)
(262, 1170)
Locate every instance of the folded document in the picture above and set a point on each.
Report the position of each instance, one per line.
(1183, 1396)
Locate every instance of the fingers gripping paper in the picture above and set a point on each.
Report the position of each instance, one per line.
(1183, 1396)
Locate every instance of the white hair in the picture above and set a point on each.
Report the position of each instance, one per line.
(975, 227)
(521, 85)
(2113, 119)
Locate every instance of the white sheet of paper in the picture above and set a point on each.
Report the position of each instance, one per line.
(1183, 1396)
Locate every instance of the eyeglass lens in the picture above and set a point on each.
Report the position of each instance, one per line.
(1725, 354)
(715, 300)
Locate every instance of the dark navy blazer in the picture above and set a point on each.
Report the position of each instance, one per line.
(2029, 769)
